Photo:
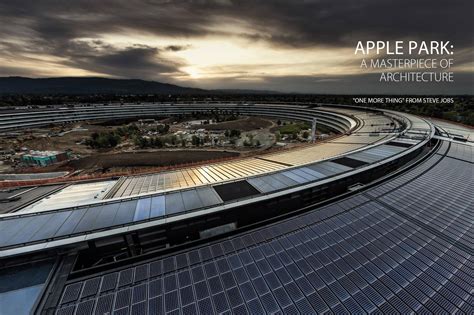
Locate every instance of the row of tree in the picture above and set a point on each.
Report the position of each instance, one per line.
(157, 142)
(104, 140)
(111, 139)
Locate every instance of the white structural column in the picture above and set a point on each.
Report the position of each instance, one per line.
(313, 131)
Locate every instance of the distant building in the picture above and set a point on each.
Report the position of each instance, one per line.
(44, 158)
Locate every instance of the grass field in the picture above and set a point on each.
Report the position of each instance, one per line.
(293, 128)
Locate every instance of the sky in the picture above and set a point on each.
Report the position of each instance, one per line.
(288, 46)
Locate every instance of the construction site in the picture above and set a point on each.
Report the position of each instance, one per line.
(107, 148)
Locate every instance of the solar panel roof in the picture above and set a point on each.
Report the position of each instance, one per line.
(399, 248)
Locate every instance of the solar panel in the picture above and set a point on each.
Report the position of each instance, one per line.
(91, 287)
(157, 206)
(139, 293)
(306, 175)
(69, 310)
(191, 199)
(71, 292)
(109, 282)
(329, 168)
(287, 181)
(187, 295)
(52, 226)
(125, 212)
(105, 216)
(208, 196)
(313, 172)
(122, 299)
(357, 255)
(264, 184)
(26, 231)
(154, 288)
(141, 273)
(87, 220)
(143, 210)
(69, 225)
(125, 277)
(277, 181)
(104, 304)
(85, 308)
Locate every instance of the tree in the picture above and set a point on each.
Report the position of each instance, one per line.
(174, 140)
(104, 140)
(234, 133)
(195, 140)
(156, 143)
(277, 136)
(113, 139)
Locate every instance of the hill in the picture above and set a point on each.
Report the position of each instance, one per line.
(89, 85)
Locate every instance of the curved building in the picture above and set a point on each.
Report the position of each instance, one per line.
(377, 220)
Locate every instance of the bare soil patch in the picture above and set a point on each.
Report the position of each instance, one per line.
(67, 141)
(147, 159)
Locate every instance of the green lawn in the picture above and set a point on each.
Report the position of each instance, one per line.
(293, 128)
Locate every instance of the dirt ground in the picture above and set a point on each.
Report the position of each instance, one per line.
(67, 141)
(125, 157)
(71, 139)
(133, 160)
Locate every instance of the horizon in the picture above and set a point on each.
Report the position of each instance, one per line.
(256, 89)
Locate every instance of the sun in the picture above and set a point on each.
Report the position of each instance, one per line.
(193, 72)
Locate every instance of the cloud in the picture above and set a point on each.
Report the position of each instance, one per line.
(343, 84)
(77, 34)
(137, 61)
(14, 71)
(175, 48)
(296, 23)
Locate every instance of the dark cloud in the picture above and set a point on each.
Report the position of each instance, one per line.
(342, 23)
(58, 28)
(323, 22)
(142, 62)
(177, 47)
(296, 23)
